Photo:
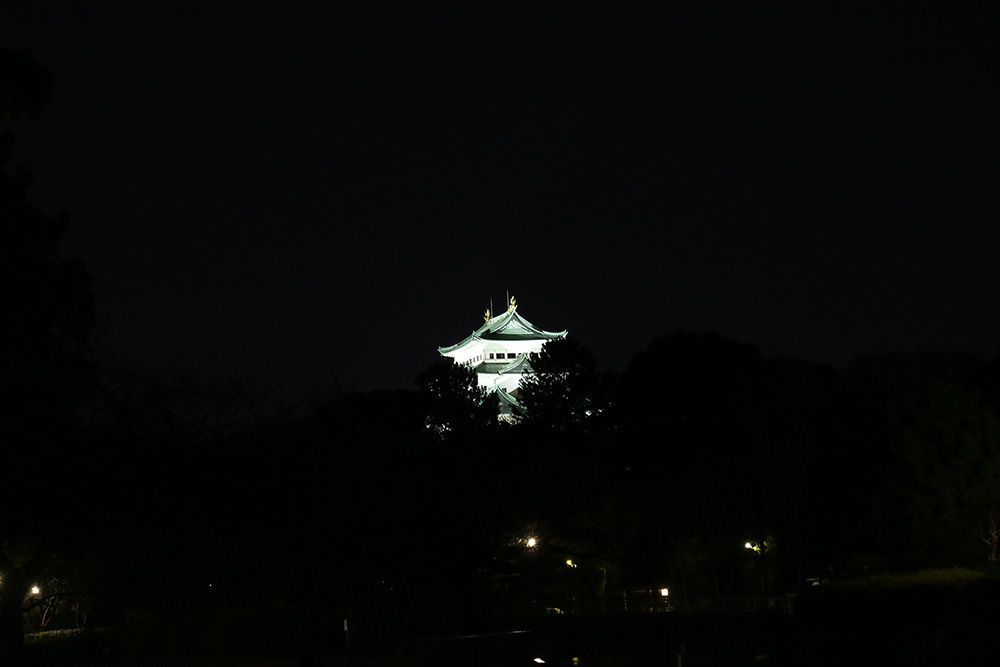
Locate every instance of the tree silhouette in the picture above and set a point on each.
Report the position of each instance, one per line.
(44, 331)
(942, 499)
(562, 391)
(453, 400)
(794, 428)
(920, 448)
(681, 410)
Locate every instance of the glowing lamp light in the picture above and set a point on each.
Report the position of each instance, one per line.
(35, 590)
(748, 546)
(532, 542)
(664, 592)
(539, 661)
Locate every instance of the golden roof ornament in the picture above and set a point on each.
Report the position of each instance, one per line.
(486, 317)
(513, 304)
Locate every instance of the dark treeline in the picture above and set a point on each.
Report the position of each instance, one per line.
(410, 512)
(146, 495)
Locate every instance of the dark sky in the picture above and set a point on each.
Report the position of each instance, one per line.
(266, 183)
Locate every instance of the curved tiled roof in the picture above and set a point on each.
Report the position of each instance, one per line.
(519, 365)
(509, 326)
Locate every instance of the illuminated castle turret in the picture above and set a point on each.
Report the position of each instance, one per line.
(500, 350)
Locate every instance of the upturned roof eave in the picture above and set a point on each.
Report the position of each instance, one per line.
(465, 342)
(544, 335)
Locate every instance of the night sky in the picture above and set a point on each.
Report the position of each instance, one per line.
(265, 185)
